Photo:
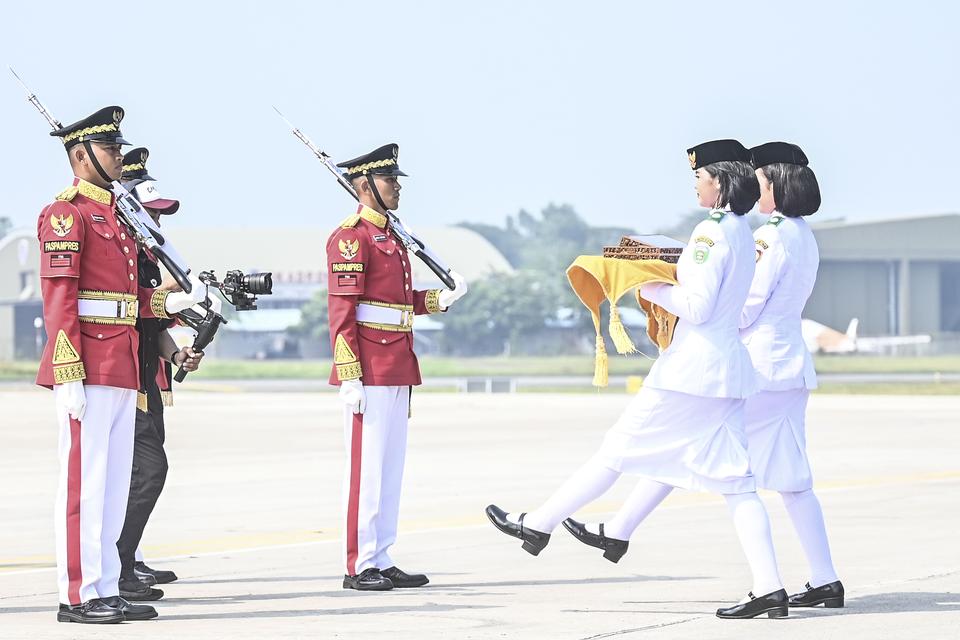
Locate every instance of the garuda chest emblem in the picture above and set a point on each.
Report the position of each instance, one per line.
(61, 224)
(349, 249)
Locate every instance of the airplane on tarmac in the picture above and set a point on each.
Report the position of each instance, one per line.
(820, 338)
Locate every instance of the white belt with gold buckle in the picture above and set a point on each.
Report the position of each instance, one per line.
(375, 314)
(93, 310)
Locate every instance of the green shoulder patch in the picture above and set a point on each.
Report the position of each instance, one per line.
(775, 220)
(716, 215)
(350, 222)
(68, 194)
(701, 249)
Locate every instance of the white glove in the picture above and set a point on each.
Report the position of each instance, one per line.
(447, 297)
(180, 300)
(71, 397)
(353, 395)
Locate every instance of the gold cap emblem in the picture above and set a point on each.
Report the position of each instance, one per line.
(692, 156)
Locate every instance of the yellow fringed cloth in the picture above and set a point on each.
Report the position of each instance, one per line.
(595, 279)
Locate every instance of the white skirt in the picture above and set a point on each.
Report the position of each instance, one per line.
(685, 441)
(777, 439)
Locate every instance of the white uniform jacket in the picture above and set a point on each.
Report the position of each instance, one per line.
(706, 357)
(787, 261)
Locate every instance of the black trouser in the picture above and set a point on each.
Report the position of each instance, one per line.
(146, 483)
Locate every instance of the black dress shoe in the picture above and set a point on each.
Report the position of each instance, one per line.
(90, 612)
(829, 595)
(146, 574)
(368, 580)
(533, 541)
(403, 580)
(613, 549)
(131, 611)
(773, 604)
(135, 591)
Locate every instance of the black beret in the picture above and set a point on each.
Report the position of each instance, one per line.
(717, 151)
(774, 152)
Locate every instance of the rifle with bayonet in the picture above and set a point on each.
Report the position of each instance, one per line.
(130, 211)
(413, 244)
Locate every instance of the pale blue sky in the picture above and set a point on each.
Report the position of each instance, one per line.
(496, 105)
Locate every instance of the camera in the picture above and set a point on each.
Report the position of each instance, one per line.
(240, 289)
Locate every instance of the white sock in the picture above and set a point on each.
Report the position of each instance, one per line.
(753, 528)
(641, 502)
(514, 518)
(586, 485)
(807, 517)
(594, 528)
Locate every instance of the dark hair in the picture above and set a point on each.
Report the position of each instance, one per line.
(739, 187)
(795, 189)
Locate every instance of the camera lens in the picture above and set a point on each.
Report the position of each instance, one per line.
(258, 283)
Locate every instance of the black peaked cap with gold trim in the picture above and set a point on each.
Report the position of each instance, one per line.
(102, 126)
(381, 161)
(717, 151)
(135, 165)
(777, 152)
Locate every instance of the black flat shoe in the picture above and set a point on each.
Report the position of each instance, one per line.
(533, 541)
(404, 580)
(158, 576)
(136, 591)
(368, 580)
(613, 549)
(90, 612)
(773, 604)
(131, 611)
(829, 595)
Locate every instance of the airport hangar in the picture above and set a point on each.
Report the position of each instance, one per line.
(295, 256)
(898, 276)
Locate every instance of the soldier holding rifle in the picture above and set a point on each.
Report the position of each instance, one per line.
(91, 302)
(372, 304)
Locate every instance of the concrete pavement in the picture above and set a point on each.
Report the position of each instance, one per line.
(250, 521)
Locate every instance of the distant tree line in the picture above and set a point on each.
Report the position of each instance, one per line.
(532, 310)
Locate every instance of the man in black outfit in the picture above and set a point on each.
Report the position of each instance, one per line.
(158, 353)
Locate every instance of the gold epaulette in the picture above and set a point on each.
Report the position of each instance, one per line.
(68, 194)
(350, 222)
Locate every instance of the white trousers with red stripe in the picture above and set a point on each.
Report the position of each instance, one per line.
(376, 448)
(96, 459)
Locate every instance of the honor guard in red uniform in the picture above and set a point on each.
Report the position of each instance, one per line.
(372, 304)
(91, 302)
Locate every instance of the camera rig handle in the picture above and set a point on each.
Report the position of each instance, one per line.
(206, 328)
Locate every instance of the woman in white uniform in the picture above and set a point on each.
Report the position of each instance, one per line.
(686, 426)
(787, 261)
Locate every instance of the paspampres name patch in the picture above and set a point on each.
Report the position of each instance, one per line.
(340, 267)
(60, 246)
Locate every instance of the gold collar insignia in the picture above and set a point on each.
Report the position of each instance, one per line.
(93, 192)
(373, 217)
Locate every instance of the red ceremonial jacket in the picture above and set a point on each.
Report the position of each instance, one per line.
(365, 263)
(86, 254)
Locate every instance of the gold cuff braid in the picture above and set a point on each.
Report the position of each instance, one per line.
(432, 301)
(350, 371)
(69, 373)
(158, 304)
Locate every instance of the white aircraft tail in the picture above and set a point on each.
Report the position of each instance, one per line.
(852, 328)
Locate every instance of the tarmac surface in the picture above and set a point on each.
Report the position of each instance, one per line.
(250, 521)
